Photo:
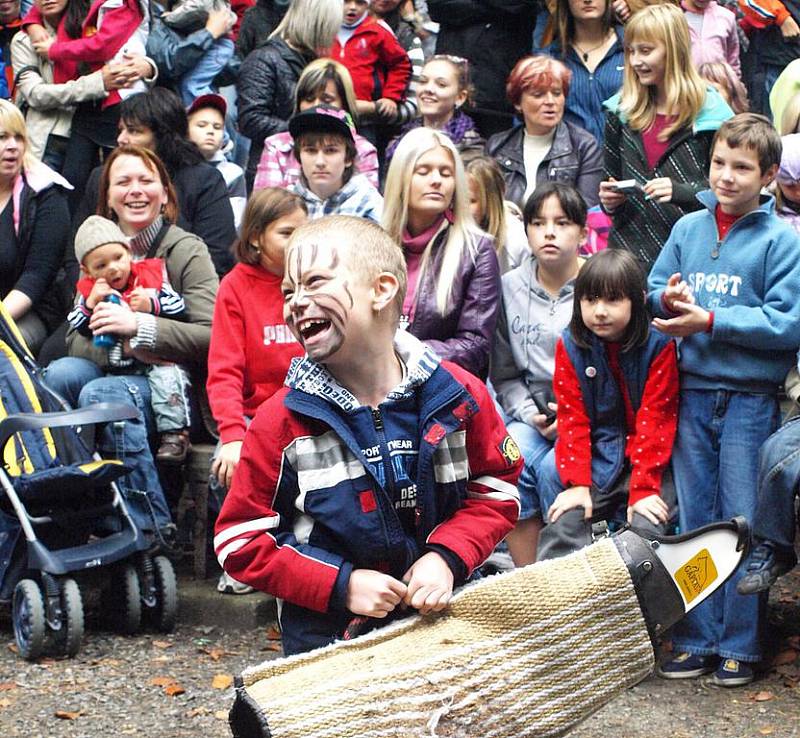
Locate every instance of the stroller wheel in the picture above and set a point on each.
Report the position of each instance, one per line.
(28, 619)
(125, 604)
(68, 639)
(165, 612)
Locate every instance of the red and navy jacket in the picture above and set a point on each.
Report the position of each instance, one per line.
(615, 406)
(326, 485)
(377, 63)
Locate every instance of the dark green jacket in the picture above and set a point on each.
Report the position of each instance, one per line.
(643, 226)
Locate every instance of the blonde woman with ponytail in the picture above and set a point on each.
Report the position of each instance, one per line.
(658, 133)
(453, 273)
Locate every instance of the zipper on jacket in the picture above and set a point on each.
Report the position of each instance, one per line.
(377, 422)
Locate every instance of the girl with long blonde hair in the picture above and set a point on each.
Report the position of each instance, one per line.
(453, 273)
(658, 133)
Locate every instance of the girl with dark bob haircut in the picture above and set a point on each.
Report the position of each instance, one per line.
(616, 385)
(612, 275)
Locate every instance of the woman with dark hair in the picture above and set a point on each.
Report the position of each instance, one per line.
(590, 45)
(546, 147)
(156, 120)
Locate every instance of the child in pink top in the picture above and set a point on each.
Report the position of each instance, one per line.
(712, 30)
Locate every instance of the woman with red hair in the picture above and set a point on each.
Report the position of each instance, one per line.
(546, 147)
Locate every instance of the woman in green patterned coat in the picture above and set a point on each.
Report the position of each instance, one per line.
(658, 132)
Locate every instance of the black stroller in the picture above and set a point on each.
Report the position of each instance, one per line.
(61, 513)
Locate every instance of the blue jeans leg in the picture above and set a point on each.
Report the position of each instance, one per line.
(534, 447)
(715, 466)
(778, 477)
(81, 382)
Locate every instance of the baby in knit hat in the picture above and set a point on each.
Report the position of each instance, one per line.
(108, 268)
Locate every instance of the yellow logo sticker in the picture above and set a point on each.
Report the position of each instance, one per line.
(696, 575)
(510, 451)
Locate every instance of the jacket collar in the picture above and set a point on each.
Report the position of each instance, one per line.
(710, 202)
(513, 148)
(311, 378)
(712, 115)
(350, 188)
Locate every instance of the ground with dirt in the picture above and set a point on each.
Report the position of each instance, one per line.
(179, 685)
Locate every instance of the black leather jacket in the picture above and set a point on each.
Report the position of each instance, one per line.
(574, 157)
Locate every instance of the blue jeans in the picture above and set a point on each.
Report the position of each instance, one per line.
(81, 382)
(534, 447)
(715, 464)
(198, 81)
(778, 477)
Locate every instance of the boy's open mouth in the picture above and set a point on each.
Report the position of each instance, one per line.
(311, 328)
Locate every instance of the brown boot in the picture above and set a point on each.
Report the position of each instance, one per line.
(173, 447)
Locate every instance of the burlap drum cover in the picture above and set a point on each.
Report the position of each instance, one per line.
(528, 653)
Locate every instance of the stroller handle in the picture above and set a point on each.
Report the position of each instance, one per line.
(100, 412)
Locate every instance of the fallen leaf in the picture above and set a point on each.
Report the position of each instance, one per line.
(7, 686)
(162, 681)
(173, 690)
(785, 657)
(197, 711)
(762, 696)
(5, 702)
(221, 715)
(215, 654)
(163, 659)
(68, 714)
(162, 644)
(766, 730)
(12, 647)
(272, 646)
(273, 634)
(221, 681)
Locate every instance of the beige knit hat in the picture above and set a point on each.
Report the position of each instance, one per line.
(97, 231)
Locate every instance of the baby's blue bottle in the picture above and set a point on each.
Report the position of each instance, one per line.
(107, 340)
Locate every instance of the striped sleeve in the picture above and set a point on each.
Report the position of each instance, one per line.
(763, 13)
(255, 539)
(491, 507)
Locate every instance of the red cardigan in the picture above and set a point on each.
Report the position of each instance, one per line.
(373, 50)
(251, 347)
(651, 429)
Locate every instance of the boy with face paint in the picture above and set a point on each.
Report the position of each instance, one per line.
(380, 477)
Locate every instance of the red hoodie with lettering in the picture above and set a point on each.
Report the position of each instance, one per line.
(251, 347)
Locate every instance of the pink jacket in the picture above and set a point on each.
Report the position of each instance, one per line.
(279, 168)
(718, 40)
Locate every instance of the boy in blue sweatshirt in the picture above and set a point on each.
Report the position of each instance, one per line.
(726, 282)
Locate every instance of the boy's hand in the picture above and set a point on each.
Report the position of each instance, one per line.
(372, 593)
(651, 507)
(568, 500)
(386, 108)
(677, 290)
(100, 291)
(430, 584)
(540, 423)
(659, 189)
(139, 300)
(692, 319)
(225, 464)
(609, 197)
(789, 29)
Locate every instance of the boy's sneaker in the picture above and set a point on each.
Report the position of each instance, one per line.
(767, 563)
(687, 666)
(733, 673)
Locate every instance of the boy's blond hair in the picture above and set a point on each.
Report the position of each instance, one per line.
(755, 132)
(370, 249)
